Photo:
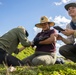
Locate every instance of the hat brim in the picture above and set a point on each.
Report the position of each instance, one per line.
(69, 5)
(39, 25)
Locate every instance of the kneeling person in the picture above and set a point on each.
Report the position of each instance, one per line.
(45, 42)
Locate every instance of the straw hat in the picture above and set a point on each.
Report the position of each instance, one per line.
(69, 5)
(44, 19)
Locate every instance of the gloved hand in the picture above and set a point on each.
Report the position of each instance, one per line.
(36, 41)
(26, 33)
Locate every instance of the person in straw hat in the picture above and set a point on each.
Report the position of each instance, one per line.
(69, 50)
(45, 53)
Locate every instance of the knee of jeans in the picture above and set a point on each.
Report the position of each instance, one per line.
(61, 50)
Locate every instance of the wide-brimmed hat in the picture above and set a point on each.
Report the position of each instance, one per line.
(44, 19)
(73, 4)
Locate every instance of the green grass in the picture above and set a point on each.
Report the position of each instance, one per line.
(57, 69)
(69, 68)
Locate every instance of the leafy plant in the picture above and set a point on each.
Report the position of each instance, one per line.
(69, 68)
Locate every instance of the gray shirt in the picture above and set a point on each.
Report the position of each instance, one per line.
(70, 39)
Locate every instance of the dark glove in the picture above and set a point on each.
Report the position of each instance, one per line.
(26, 33)
(36, 41)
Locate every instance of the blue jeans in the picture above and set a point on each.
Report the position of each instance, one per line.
(68, 51)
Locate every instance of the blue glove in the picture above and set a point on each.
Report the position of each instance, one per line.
(36, 41)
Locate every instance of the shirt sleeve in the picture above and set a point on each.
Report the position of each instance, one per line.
(69, 39)
(23, 39)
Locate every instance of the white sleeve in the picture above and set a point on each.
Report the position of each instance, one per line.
(69, 39)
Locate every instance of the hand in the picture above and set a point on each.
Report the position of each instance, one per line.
(36, 41)
(59, 37)
(68, 32)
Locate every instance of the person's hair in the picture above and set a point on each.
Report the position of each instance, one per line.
(26, 33)
(20, 27)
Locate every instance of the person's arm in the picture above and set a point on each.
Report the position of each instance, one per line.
(50, 40)
(23, 39)
(75, 33)
(68, 32)
(69, 39)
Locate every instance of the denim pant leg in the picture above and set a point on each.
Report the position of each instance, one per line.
(68, 51)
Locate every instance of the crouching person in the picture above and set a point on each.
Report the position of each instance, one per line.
(45, 53)
(9, 43)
